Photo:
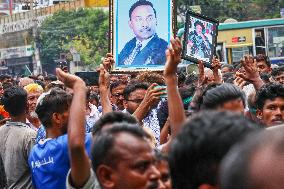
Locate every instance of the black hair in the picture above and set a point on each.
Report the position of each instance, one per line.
(277, 71)
(237, 170)
(50, 77)
(265, 77)
(269, 91)
(186, 95)
(102, 149)
(198, 149)
(111, 118)
(213, 98)
(57, 101)
(141, 3)
(200, 24)
(261, 57)
(7, 85)
(229, 77)
(93, 96)
(181, 72)
(15, 100)
(230, 66)
(39, 82)
(160, 156)
(199, 99)
(116, 84)
(131, 87)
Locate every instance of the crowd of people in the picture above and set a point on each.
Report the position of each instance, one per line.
(218, 128)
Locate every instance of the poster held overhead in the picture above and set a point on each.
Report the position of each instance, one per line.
(140, 33)
(200, 38)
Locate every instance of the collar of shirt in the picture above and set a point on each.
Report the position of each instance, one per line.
(13, 123)
(144, 43)
(31, 125)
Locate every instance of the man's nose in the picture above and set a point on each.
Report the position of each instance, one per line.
(154, 173)
(145, 23)
(121, 97)
(278, 111)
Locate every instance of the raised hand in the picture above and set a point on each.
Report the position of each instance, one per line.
(202, 79)
(152, 95)
(103, 79)
(173, 54)
(68, 79)
(216, 65)
(251, 72)
(240, 82)
(108, 62)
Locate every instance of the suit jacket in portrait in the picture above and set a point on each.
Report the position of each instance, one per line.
(152, 54)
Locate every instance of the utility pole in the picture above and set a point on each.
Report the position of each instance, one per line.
(37, 65)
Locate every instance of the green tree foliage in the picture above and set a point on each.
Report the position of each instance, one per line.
(240, 10)
(84, 29)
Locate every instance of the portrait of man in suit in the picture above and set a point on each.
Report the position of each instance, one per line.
(146, 48)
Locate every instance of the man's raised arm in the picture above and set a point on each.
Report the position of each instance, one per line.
(80, 166)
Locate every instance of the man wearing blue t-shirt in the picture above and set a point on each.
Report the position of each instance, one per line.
(49, 159)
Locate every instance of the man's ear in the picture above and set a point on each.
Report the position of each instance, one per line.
(56, 118)
(106, 176)
(207, 186)
(259, 114)
(130, 24)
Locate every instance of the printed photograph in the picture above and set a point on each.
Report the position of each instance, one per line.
(142, 33)
(200, 37)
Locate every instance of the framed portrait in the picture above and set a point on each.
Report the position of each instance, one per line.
(140, 32)
(200, 38)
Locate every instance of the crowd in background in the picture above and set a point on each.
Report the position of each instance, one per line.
(218, 127)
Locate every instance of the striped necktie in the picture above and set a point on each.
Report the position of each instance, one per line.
(134, 53)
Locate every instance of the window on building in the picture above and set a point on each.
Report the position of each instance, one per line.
(240, 52)
(275, 42)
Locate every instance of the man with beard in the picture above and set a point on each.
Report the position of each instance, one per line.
(146, 48)
(270, 104)
(49, 159)
(34, 91)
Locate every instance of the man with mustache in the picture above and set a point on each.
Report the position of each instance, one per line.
(146, 48)
(34, 91)
(270, 104)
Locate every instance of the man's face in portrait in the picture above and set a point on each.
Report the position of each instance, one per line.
(143, 22)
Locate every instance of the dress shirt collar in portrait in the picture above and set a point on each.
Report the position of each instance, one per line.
(144, 43)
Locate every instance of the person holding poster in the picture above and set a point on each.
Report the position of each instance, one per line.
(146, 48)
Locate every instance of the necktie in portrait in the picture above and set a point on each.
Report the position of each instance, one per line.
(134, 53)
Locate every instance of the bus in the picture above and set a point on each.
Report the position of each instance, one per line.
(254, 37)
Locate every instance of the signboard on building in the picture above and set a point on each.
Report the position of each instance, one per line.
(239, 39)
(16, 52)
(196, 9)
(21, 25)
